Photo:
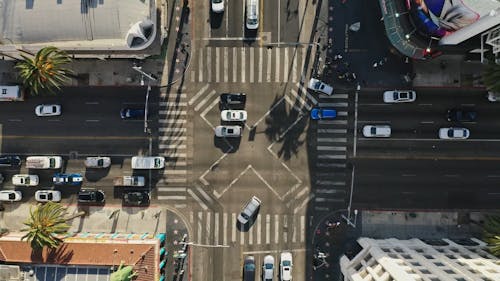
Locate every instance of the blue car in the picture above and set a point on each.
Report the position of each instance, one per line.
(132, 113)
(323, 113)
(67, 179)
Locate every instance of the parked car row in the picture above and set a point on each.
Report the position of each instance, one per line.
(96, 162)
(285, 270)
(232, 105)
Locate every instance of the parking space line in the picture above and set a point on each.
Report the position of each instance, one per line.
(233, 228)
(224, 228)
(276, 228)
(268, 229)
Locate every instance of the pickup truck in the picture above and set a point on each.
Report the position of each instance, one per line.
(44, 162)
(129, 181)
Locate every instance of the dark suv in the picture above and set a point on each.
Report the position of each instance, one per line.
(136, 198)
(90, 196)
(233, 100)
(461, 115)
(10, 161)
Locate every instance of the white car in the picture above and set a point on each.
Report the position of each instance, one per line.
(228, 131)
(217, 6)
(233, 115)
(44, 162)
(97, 162)
(25, 180)
(453, 133)
(249, 210)
(43, 110)
(286, 265)
(398, 96)
(48, 195)
(10, 195)
(316, 85)
(268, 268)
(377, 131)
(493, 96)
(151, 162)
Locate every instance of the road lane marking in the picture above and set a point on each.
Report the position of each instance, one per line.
(277, 73)
(207, 235)
(451, 175)
(216, 230)
(200, 217)
(198, 94)
(425, 104)
(332, 122)
(259, 76)
(294, 230)
(268, 229)
(268, 71)
(209, 64)
(251, 50)
(235, 64)
(92, 120)
(294, 65)
(285, 64)
(15, 120)
(224, 228)
(250, 235)
(332, 139)
(259, 229)
(493, 176)
(468, 104)
(331, 148)
(408, 175)
(217, 60)
(302, 228)
(285, 228)
(233, 227)
(334, 131)
(171, 197)
(276, 228)
(427, 122)
(226, 68)
(242, 237)
(243, 64)
(202, 102)
(197, 200)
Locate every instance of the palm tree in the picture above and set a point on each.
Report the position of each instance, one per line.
(45, 223)
(492, 234)
(491, 77)
(44, 71)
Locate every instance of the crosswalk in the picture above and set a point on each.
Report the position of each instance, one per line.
(331, 175)
(173, 145)
(220, 228)
(248, 64)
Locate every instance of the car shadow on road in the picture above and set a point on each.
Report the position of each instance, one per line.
(227, 145)
(94, 175)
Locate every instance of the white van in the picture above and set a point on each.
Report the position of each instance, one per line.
(252, 14)
(10, 93)
(44, 162)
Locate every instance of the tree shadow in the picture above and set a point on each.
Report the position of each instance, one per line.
(285, 126)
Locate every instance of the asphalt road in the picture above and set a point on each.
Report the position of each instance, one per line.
(90, 123)
(417, 170)
(278, 22)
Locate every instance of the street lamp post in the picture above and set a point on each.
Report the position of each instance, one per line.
(150, 78)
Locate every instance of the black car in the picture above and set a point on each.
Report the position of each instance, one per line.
(461, 115)
(136, 198)
(91, 196)
(233, 100)
(10, 161)
(132, 113)
(249, 269)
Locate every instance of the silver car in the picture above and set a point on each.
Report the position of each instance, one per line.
(228, 131)
(377, 131)
(316, 85)
(268, 268)
(249, 210)
(48, 195)
(97, 162)
(43, 110)
(10, 195)
(454, 133)
(398, 96)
